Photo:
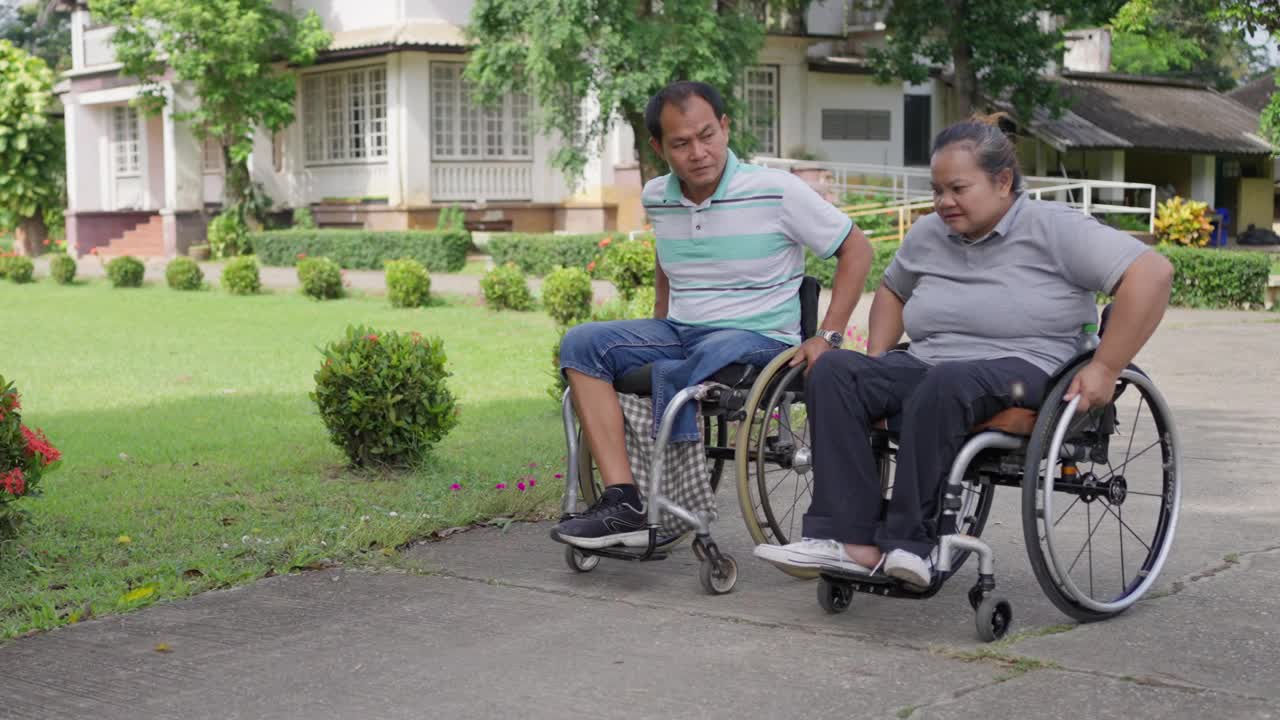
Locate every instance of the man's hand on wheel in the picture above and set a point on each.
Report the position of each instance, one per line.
(809, 352)
(1095, 384)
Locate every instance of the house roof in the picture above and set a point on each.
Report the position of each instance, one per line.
(1255, 95)
(419, 34)
(1110, 111)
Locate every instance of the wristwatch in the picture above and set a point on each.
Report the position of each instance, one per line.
(833, 337)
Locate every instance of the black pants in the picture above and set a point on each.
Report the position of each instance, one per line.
(846, 392)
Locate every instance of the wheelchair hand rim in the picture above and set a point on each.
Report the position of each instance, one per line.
(1055, 448)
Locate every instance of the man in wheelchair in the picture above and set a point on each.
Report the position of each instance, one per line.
(731, 239)
(993, 289)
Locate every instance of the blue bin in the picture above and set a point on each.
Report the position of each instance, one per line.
(1218, 237)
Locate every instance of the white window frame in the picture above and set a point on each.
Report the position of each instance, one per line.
(462, 130)
(126, 148)
(212, 157)
(752, 90)
(344, 116)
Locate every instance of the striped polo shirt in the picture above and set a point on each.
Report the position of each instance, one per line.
(736, 259)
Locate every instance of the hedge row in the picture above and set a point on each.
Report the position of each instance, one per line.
(540, 253)
(825, 270)
(437, 250)
(1208, 278)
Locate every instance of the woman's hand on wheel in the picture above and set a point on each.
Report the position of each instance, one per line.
(809, 352)
(1095, 384)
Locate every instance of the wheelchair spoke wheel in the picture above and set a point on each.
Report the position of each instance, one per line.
(1101, 494)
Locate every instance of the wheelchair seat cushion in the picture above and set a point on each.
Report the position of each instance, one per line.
(640, 380)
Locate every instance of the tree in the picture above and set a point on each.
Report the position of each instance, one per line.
(42, 29)
(997, 49)
(1171, 37)
(231, 53)
(31, 152)
(1259, 15)
(613, 55)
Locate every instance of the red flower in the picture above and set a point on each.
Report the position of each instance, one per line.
(591, 266)
(371, 337)
(37, 443)
(605, 242)
(14, 482)
(301, 255)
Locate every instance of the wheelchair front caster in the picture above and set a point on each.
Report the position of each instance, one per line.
(579, 561)
(718, 576)
(975, 597)
(994, 617)
(834, 597)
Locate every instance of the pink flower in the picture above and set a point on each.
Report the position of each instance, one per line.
(775, 416)
(455, 487)
(559, 476)
(520, 486)
(533, 465)
(500, 486)
(848, 333)
(533, 482)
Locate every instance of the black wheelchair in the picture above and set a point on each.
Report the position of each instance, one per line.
(1101, 490)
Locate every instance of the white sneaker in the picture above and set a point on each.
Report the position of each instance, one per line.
(809, 553)
(909, 568)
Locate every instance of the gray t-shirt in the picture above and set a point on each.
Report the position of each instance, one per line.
(1023, 291)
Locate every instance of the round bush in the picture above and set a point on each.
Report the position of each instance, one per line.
(228, 235)
(240, 276)
(320, 277)
(566, 295)
(383, 396)
(640, 306)
(629, 265)
(408, 283)
(183, 273)
(20, 269)
(505, 289)
(126, 271)
(63, 269)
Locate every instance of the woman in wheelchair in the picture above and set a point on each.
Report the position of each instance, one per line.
(993, 289)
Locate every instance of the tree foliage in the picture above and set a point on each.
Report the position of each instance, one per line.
(586, 63)
(31, 151)
(997, 49)
(231, 53)
(1172, 37)
(42, 29)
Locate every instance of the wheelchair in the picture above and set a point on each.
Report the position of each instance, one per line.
(1100, 491)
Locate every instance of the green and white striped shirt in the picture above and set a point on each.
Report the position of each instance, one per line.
(736, 259)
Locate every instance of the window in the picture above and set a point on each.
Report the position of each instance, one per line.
(761, 93)
(344, 115)
(212, 155)
(855, 124)
(462, 130)
(124, 140)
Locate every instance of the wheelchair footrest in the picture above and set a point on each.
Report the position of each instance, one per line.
(879, 584)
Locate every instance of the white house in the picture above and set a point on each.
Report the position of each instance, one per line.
(386, 134)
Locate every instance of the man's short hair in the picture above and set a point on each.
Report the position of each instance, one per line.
(679, 92)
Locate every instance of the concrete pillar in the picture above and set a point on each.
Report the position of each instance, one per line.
(1203, 178)
(1111, 167)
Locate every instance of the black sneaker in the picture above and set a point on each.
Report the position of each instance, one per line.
(613, 520)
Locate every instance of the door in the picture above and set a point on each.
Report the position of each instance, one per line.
(917, 122)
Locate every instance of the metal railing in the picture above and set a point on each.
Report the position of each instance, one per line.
(903, 191)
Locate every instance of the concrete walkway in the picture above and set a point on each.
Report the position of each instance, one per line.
(492, 624)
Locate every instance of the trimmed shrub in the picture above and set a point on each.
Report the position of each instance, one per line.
(126, 271)
(505, 288)
(640, 306)
(62, 268)
(228, 235)
(408, 284)
(825, 270)
(20, 269)
(303, 219)
(1210, 278)
(566, 295)
(629, 264)
(321, 278)
(540, 253)
(26, 456)
(240, 276)
(452, 218)
(438, 251)
(182, 273)
(383, 396)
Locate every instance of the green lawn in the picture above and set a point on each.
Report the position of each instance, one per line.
(194, 458)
